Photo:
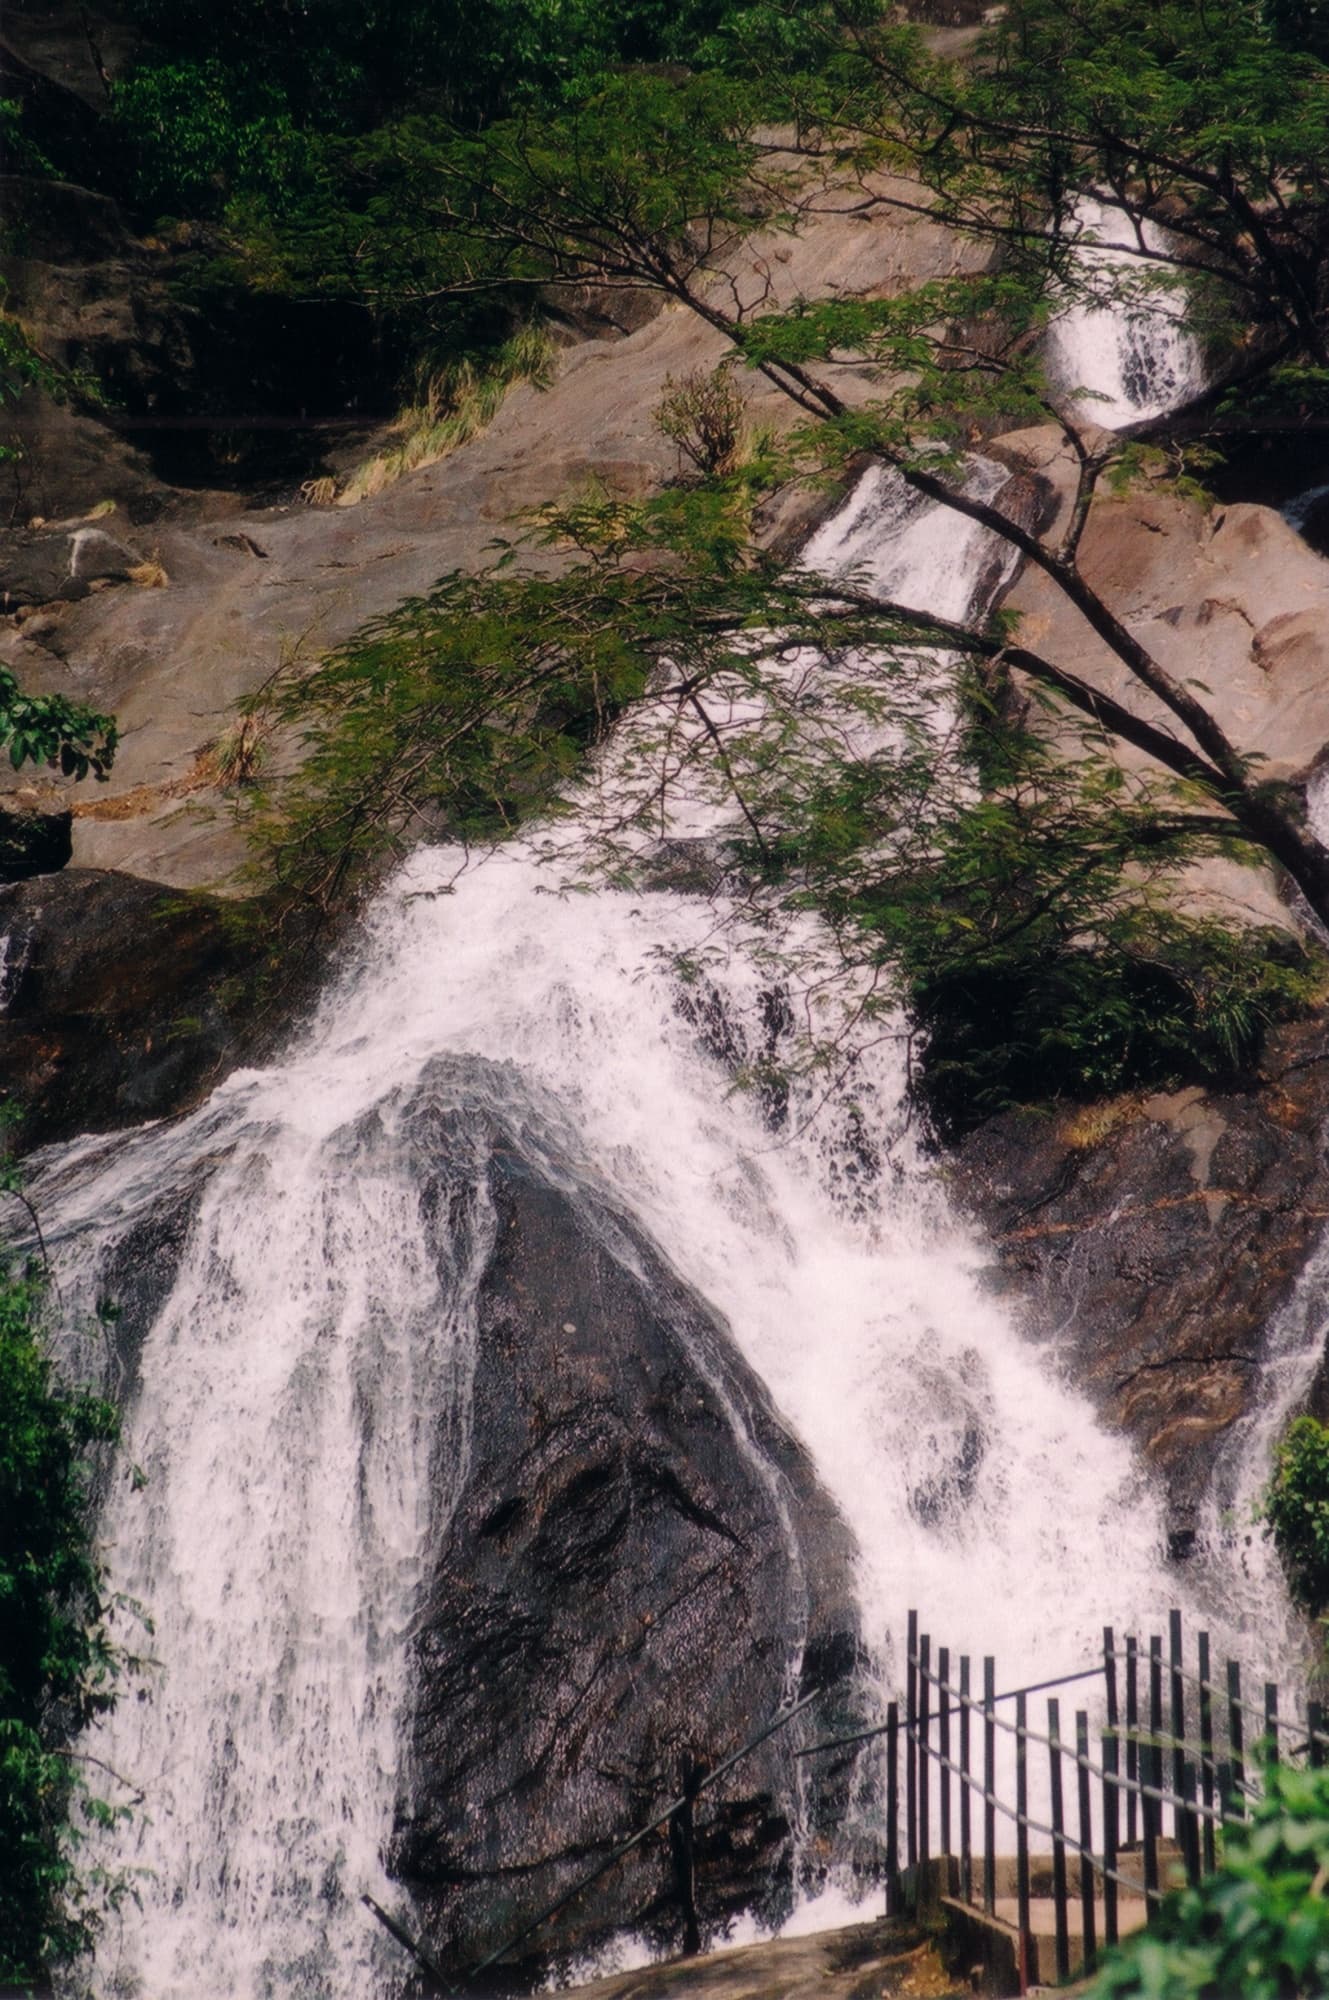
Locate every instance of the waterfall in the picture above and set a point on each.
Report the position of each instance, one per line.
(309, 1349)
(1131, 357)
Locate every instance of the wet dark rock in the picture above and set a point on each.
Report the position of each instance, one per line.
(33, 842)
(136, 1280)
(123, 1000)
(640, 1568)
(1156, 1238)
(34, 568)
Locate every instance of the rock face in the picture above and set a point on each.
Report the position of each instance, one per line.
(120, 1000)
(640, 1568)
(1155, 1238)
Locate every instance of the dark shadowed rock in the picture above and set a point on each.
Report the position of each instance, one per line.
(33, 843)
(641, 1567)
(136, 1278)
(122, 1000)
(1156, 1237)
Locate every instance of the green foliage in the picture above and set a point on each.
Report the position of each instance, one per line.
(1295, 1511)
(242, 95)
(50, 729)
(21, 365)
(18, 149)
(1031, 926)
(1028, 924)
(462, 709)
(24, 367)
(343, 67)
(59, 1668)
(1259, 1927)
(193, 136)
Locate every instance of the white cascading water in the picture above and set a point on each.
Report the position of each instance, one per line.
(1135, 357)
(296, 1380)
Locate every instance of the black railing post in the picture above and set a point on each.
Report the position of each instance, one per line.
(1236, 1738)
(1058, 1844)
(989, 1784)
(1271, 1721)
(1151, 1775)
(1087, 1930)
(1132, 1736)
(966, 1802)
(924, 1760)
(1176, 1662)
(893, 1809)
(1315, 1747)
(683, 1850)
(944, 1746)
(1190, 1831)
(1206, 1754)
(1022, 1838)
(1225, 1789)
(1156, 1728)
(911, 1745)
(1110, 1675)
(1111, 1762)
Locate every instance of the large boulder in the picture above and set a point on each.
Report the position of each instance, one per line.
(640, 1569)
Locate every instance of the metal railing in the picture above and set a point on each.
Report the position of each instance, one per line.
(1180, 1753)
(1167, 1765)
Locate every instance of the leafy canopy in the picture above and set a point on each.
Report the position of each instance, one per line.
(1019, 901)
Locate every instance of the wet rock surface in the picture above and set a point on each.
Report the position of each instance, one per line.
(1153, 1239)
(121, 1001)
(641, 1568)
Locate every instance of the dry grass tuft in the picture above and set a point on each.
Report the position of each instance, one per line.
(452, 405)
(1090, 1124)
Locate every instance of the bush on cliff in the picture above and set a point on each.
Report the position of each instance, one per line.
(59, 1667)
(1295, 1511)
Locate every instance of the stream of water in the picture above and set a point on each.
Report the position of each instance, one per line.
(296, 1381)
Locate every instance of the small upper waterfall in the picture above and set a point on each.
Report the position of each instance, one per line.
(310, 1349)
(1129, 358)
